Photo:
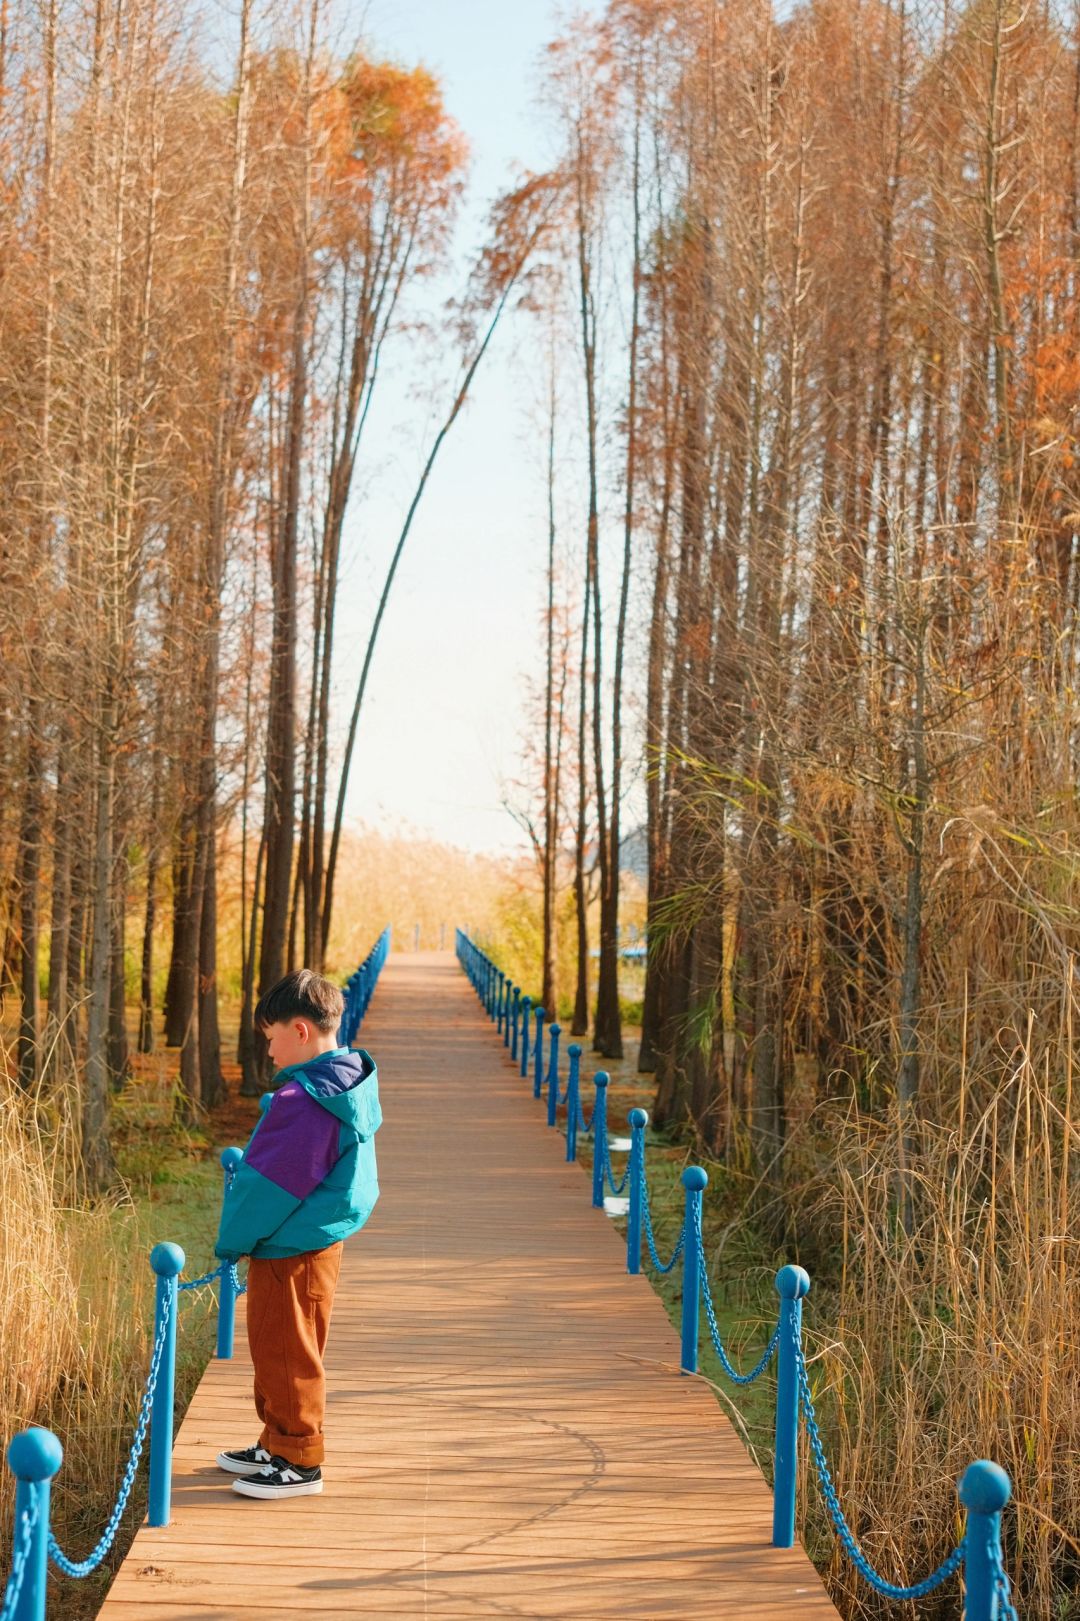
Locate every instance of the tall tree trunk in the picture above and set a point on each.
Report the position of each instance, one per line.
(580, 1022)
(119, 1055)
(200, 1059)
(146, 973)
(608, 1032)
(177, 1012)
(1000, 334)
(657, 759)
(98, 1167)
(59, 1043)
(29, 875)
(31, 838)
(551, 809)
(211, 1080)
(280, 810)
(250, 1042)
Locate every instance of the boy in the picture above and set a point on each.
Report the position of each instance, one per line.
(307, 1180)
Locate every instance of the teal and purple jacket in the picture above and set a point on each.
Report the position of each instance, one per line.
(308, 1175)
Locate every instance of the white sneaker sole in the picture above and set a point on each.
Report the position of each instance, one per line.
(231, 1467)
(303, 1488)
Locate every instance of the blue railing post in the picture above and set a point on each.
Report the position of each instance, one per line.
(167, 1261)
(695, 1180)
(33, 1457)
(553, 1073)
(538, 1052)
(573, 1084)
(500, 997)
(526, 1005)
(599, 1138)
(638, 1121)
(984, 1490)
(511, 1012)
(792, 1285)
(514, 1025)
(226, 1321)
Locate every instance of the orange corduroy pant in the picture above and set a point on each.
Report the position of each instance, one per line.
(289, 1302)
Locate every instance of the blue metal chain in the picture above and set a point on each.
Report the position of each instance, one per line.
(714, 1331)
(238, 1288)
(209, 1277)
(651, 1241)
(616, 1188)
(27, 1521)
(1002, 1586)
(83, 1567)
(947, 1568)
(197, 1283)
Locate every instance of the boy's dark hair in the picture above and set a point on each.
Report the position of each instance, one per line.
(302, 994)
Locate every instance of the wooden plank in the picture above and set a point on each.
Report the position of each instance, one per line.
(507, 1430)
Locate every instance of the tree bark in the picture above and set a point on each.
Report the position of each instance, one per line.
(28, 877)
(98, 1166)
(119, 1054)
(146, 974)
(548, 991)
(280, 792)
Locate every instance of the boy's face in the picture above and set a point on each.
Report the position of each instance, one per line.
(292, 1042)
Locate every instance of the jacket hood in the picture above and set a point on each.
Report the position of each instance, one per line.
(336, 1081)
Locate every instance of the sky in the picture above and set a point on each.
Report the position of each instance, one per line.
(442, 729)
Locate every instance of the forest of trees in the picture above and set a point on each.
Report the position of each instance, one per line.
(814, 308)
(198, 284)
(806, 283)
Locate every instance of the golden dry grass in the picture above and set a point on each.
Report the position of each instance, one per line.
(78, 1302)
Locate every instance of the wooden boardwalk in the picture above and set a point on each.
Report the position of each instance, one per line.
(505, 1437)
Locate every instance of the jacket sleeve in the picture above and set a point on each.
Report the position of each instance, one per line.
(293, 1148)
(369, 1111)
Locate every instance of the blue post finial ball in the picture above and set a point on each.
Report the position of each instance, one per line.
(695, 1179)
(984, 1487)
(601, 1078)
(638, 1117)
(231, 1157)
(35, 1455)
(539, 1011)
(167, 1260)
(792, 1283)
(573, 1051)
(556, 1029)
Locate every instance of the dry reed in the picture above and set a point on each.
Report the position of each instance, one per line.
(958, 1340)
(74, 1322)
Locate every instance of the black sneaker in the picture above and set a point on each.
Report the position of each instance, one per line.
(251, 1461)
(280, 1478)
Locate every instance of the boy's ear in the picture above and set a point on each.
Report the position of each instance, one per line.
(303, 1029)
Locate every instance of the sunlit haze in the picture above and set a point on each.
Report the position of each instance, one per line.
(441, 727)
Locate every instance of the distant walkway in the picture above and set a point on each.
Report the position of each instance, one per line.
(489, 1451)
